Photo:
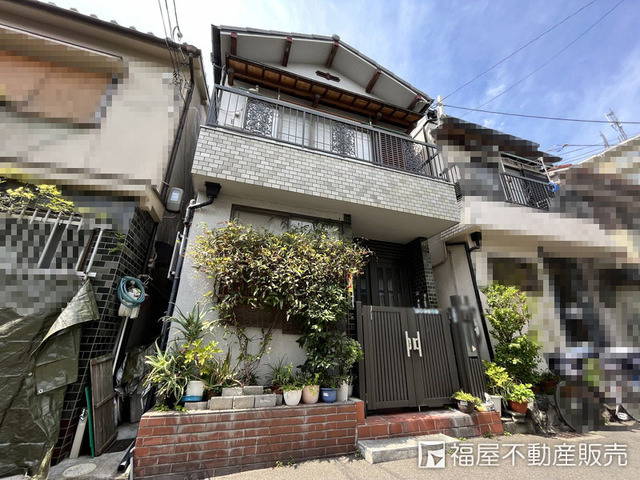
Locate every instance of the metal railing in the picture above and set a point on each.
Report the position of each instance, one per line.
(526, 191)
(266, 117)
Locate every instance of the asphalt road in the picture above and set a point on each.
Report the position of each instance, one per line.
(354, 468)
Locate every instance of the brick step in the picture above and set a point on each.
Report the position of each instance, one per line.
(399, 448)
(449, 422)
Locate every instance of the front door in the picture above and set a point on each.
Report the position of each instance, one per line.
(385, 281)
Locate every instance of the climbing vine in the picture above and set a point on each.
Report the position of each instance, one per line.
(303, 273)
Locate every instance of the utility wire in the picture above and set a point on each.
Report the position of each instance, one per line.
(554, 56)
(519, 49)
(542, 117)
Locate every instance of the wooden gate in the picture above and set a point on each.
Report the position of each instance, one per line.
(102, 393)
(409, 357)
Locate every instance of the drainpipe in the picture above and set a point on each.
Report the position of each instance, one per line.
(476, 290)
(212, 190)
(164, 190)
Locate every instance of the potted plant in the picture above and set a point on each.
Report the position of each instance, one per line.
(498, 380)
(519, 395)
(342, 392)
(311, 388)
(292, 393)
(548, 382)
(328, 392)
(280, 373)
(466, 402)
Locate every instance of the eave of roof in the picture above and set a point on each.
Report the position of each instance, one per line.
(216, 30)
(531, 147)
(114, 27)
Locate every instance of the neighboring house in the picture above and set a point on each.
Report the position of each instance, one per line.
(110, 115)
(304, 129)
(515, 229)
(605, 189)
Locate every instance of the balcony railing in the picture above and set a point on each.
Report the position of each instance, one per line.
(284, 122)
(526, 191)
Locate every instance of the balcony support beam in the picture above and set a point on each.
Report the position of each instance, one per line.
(287, 49)
(374, 79)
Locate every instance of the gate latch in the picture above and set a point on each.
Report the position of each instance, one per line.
(413, 343)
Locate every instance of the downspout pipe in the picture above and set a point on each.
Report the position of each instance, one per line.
(476, 290)
(212, 190)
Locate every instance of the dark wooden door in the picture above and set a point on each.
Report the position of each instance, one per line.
(409, 358)
(388, 367)
(385, 281)
(434, 367)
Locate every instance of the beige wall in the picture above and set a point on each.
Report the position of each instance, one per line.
(194, 285)
(135, 125)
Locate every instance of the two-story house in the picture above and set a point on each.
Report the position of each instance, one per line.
(110, 116)
(518, 228)
(305, 129)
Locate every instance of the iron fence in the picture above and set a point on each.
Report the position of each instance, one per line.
(526, 191)
(266, 117)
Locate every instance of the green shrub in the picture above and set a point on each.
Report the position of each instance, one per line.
(520, 392)
(461, 396)
(508, 315)
(303, 273)
(498, 379)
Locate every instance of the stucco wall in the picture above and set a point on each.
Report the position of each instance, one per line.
(137, 120)
(194, 285)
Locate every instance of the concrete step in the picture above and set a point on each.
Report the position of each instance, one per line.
(388, 449)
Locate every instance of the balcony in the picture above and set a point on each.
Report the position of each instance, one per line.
(526, 191)
(295, 125)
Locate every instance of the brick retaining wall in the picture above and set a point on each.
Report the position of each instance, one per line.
(172, 445)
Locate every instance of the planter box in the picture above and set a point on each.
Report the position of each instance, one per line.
(195, 405)
(268, 400)
(252, 390)
(220, 403)
(231, 391)
(243, 401)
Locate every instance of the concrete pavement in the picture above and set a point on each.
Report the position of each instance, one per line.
(353, 468)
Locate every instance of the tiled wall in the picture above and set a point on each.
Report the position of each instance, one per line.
(113, 260)
(222, 154)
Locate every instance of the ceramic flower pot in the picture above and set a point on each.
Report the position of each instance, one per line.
(310, 393)
(343, 393)
(518, 407)
(466, 407)
(195, 388)
(328, 395)
(497, 403)
(292, 397)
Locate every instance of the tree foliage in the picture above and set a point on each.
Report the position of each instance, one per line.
(35, 196)
(509, 315)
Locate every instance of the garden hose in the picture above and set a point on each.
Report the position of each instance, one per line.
(125, 297)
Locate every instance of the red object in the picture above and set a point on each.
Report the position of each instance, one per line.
(518, 407)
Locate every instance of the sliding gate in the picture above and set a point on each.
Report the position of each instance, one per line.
(409, 357)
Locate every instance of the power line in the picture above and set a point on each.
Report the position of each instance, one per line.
(554, 56)
(541, 117)
(500, 62)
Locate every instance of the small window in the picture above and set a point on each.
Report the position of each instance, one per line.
(516, 272)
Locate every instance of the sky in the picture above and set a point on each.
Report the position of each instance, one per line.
(438, 45)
